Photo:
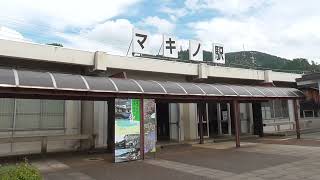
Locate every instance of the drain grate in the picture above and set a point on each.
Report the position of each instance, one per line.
(94, 159)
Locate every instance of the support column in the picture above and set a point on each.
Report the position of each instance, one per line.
(250, 114)
(296, 117)
(200, 116)
(229, 120)
(87, 124)
(257, 119)
(219, 119)
(111, 125)
(236, 116)
(141, 129)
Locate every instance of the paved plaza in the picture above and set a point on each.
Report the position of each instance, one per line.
(260, 159)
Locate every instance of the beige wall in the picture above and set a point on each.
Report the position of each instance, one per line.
(102, 61)
(72, 126)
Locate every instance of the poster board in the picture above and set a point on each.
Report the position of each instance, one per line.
(150, 127)
(127, 130)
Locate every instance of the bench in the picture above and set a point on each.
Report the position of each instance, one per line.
(278, 124)
(45, 138)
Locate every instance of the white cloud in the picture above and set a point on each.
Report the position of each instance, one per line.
(285, 28)
(61, 13)
(10, 34)
(174, 13)
(113, 37)
(227, 7)
(162, 25)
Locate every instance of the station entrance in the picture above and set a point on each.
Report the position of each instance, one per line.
(129, 114)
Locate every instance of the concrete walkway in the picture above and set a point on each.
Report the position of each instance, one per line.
(254, 160)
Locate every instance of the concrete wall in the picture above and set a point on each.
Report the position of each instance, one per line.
(246, 118)
(102, 61)
(101, 123)
(287, 123)
(72, 127)
(189, 118)
(45, 53)
(310, 123)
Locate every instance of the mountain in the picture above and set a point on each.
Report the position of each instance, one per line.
(260, 60)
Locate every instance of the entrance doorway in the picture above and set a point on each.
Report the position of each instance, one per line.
(205, 124)
(219, 119)
(163, 126)
(225, 118)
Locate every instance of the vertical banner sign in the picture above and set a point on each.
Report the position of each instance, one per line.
(170, 47)
(140, 42)
(195, 50)
(218, 54)
(127, 130)
(149, 111)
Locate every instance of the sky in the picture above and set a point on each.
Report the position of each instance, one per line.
(285, 28)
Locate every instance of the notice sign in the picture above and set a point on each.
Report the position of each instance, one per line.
(150, 136)
(224, 115)
(127, 129)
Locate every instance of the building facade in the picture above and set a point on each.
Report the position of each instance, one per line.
(176, 121)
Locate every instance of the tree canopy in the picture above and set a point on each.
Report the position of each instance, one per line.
(255, 59)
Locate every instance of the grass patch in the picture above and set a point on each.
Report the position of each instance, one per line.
(21, 171)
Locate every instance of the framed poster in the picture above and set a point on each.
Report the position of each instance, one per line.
(150, 126)
(127, 130)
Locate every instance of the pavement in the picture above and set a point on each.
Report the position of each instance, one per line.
(265, 158)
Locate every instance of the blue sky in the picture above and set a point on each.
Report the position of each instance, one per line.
(287, 28)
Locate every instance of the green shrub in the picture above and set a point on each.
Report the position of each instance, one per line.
(21, 171)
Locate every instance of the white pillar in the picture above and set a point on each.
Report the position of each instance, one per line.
(219, 119)
(267, 76)
(174, 117)
(229, 119)
(87, 123)
(181, 122)
(291, 112)
(250, 111)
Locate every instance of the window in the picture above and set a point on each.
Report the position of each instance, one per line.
(52, 114)
(308, 114)
(31, 114)
(309, 109)
(6, 113)
(275, 109)
(266, 110)
(28, 114)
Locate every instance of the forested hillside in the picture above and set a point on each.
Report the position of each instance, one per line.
(254, 59)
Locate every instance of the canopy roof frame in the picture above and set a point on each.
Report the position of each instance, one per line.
(22, 83)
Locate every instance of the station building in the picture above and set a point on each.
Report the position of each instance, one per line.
(59, 99)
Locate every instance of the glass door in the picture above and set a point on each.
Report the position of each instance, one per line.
(205, 124)
(225, 122)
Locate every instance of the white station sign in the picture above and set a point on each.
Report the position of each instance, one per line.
(140, 42)
(170, 47)
(218, 54)
(141, 39)
(195, 50)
